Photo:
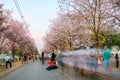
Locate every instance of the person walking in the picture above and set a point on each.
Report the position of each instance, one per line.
(8, 61)
(117, 60)
(42, 57)
(25, 58)
(106, 59)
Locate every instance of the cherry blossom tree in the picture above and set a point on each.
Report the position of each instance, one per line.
(14, 35)
(3, 27)
(66, 33)
(97, 15)
(116, 15)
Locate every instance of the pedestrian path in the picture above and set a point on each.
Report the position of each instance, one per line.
(34, 71)
(114, 72)
(4, 71)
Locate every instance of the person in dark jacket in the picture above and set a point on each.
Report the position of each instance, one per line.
(117, 60)
(42, 57)
(53, 56)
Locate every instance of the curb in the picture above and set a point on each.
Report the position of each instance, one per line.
(9, 71)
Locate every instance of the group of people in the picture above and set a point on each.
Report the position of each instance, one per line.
(106, 60)
(25, 58)
(8, 60)
(51, 62)
(92, 61)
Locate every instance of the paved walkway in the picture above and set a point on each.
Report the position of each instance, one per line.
(4, 71)
(34, 71)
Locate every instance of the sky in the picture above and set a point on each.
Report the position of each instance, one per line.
(37, 14)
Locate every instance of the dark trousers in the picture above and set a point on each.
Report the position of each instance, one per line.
(8, 62)
(42, 60)
(117, 63)
(51, 68)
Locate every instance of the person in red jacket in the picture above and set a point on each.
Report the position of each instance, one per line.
(51, 65)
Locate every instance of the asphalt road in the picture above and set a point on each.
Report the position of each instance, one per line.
(34, 71)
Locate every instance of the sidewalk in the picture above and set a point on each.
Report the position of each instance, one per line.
(4, 71)
(100, 71)
(114, 75)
